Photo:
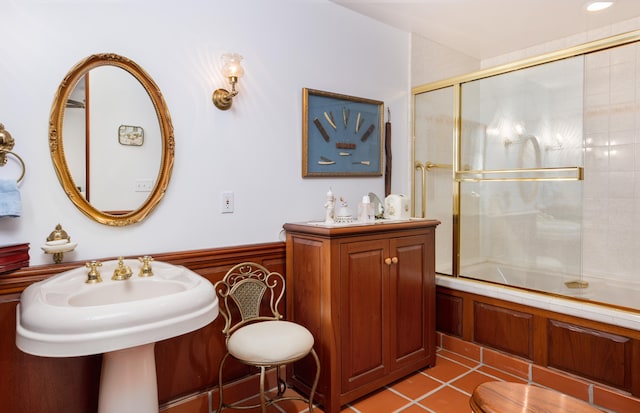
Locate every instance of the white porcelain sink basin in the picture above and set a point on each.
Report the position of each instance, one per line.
(64, 316)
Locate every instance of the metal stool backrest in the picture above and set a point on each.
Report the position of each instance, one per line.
(242, 295)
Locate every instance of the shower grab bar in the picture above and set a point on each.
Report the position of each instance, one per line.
(424, 168)
(578, 174)
(430, 165)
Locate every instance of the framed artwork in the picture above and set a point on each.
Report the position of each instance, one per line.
(341, 135)
(130, 135)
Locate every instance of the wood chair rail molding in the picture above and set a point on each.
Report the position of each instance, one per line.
(200, 261)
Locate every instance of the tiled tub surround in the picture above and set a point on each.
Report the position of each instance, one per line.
(612, 166)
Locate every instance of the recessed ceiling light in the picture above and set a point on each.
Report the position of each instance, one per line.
(599, 5)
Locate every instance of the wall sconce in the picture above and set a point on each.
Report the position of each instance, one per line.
(231, 70)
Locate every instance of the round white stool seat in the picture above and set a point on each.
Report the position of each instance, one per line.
(270, 342)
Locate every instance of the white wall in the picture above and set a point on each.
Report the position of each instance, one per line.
(254, 149)
(431, 62)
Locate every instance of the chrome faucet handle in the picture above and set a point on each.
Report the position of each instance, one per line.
(145, 270)
(93, 276)
(122, 272)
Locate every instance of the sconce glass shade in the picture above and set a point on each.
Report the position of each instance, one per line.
(231, 65)
(232, 70)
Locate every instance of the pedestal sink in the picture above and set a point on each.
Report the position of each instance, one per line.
(64, 316)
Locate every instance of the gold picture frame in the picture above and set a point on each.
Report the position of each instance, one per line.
(130, 135)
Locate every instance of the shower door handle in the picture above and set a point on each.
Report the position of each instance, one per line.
(426, 167)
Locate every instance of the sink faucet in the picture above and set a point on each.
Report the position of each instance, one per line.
(122, 272)
(145, 270)
(93, 276)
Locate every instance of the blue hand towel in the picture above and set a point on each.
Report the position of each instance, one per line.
(10, 205)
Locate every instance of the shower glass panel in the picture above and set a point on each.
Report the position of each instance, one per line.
(544, 193)
(433, 173)
(520, 175)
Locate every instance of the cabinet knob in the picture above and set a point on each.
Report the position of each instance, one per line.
(394, 260)
(387, 261)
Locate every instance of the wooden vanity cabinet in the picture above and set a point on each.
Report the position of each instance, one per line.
(367, 294)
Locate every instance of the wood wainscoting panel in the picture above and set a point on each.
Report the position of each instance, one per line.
(32, 384)
(590, 353)
(449, 314)
(597, 351)
(504, 329)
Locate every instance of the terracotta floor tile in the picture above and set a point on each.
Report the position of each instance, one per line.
(506, 363)
(470, 381)
(446, 387)
(288, 406)
(457, 357)
(295, 406)
(416, 385)
(270, 409)
(500, 375)
(414, 408)
(445, 370)
(560, 382)
(382, 401)
(464, 348)
(447, 400)
(199, 404)
(614, 400)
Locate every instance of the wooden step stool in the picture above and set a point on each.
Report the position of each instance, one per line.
(505, 397)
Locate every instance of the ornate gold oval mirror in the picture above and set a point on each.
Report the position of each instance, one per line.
(111, 139)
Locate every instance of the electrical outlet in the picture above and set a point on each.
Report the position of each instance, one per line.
(144, 185)
(227, 202)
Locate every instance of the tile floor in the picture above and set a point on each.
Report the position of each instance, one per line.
(460, 367)
(446, 388)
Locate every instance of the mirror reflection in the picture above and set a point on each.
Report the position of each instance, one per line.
(111, 139)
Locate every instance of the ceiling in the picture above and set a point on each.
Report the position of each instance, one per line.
(487, 28)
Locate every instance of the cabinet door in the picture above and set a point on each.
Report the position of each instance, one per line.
(412, 301)
(363, 326)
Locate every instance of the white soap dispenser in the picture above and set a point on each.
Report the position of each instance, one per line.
(365, 210)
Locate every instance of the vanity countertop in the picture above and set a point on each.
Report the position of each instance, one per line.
(322, 228)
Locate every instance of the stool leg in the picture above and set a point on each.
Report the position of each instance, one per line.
(315, 381)
(282, 386)
(220, 386)
(263, 404)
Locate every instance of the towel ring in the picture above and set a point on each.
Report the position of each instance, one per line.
(6, 144)
(3, 160)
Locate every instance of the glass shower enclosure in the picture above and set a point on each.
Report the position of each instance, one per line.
(510, 161)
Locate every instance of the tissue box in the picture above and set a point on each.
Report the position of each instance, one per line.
(13, 257)
(397, 207)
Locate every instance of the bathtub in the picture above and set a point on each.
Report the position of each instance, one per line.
(548, 291)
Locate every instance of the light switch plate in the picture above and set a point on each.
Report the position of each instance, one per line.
(227, 205)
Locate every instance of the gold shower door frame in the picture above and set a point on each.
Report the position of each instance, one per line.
(460, 175)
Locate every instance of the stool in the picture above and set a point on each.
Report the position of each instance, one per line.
(505, 397)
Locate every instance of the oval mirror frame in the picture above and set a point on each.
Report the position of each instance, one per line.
(56, 146)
